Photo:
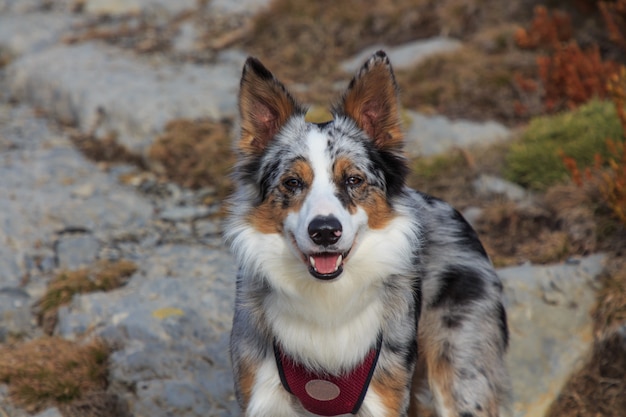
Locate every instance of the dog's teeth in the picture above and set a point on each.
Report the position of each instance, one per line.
(312, 260)
(338, 263)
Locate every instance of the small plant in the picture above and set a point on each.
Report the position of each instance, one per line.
(570, 76)
(103, 276)
(547, 30)
(52, 371)
(608, 170)
(196, 154)
(614, 15)
(534, 160)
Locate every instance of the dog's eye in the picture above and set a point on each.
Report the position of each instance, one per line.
(292, 183)
(354, 181)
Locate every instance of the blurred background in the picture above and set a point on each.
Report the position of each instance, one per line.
(116, 127)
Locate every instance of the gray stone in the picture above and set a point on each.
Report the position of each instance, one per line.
(49, 412)
(76, 251)
(404, 56)
(15, 313)
(431, 135)
(488, 185)
(177, 214)
(550, 325)
(123, 7)
(44, 30)
(238, 7)
(77, 84)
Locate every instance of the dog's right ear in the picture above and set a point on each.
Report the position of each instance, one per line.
(264, 105)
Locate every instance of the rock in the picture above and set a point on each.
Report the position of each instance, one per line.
(551, 330)
(431, 135)
(404, 56)
(49, 412)
(177, 214)
(74, 251)
(472, 214)
(15, 313)
(488, 185)
(238, 7)
(123, 7)
(170, 324)
(80, 83)
(44, 30)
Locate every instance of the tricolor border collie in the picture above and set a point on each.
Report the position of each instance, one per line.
(355, 294)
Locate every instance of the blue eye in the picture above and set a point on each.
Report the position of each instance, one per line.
(292, 183)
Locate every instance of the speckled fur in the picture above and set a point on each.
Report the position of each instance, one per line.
(414, 270)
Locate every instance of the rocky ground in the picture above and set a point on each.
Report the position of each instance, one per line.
(170, 323)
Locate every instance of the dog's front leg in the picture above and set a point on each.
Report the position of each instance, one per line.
(464, 363)
(266, 397)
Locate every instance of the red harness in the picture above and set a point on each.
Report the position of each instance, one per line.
(323, 394)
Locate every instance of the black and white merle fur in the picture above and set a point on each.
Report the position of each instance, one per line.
(408, 266)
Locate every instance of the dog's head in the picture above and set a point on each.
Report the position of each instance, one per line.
(321, 188)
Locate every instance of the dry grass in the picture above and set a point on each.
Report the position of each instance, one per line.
(51, 371)
(103, 276)
(461, 86)
(196, 154)
(596, 390)
(106, 149)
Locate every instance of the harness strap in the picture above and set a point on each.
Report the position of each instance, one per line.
(325, 394)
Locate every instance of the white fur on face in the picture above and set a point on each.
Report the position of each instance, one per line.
(321, 200)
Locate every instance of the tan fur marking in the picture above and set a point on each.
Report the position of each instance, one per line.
(374, 203)
(379, 212)
(440, 373)
(270, 215)
(390, 387)
(247, 376)
(372, 102)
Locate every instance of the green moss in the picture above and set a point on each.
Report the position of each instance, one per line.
(534, 161)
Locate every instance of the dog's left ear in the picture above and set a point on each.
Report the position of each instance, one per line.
(372, 101)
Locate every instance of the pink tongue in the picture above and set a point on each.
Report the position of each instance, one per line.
(325, 264)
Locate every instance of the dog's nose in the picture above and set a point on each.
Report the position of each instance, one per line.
(325, 230)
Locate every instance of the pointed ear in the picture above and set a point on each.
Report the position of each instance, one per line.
(264, 105)
(372, 101)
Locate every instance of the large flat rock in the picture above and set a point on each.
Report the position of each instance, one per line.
(134, 97)
(432, 135)
(551, 330)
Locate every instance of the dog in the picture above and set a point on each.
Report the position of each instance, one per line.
(356, 295)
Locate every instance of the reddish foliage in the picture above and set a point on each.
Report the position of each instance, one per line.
(571, 76)
(614, 15)
(610, 180)
(547, 30)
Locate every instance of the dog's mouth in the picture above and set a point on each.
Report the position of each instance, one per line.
(326, 265)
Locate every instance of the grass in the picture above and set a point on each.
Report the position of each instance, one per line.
(534, 161)
(103, 276)
(51, 371)
(196, 154)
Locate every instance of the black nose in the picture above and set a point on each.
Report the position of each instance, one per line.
(325, 230)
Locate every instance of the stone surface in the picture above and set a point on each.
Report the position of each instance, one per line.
(404, 56)
(76, 251)
(488, 185)
(121, 7)
(133, 97)
(45, 29)
(550, 325)
(431, 135)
